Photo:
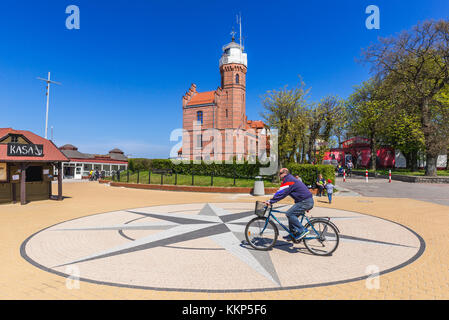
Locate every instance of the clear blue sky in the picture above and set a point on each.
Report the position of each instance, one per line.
(125, 71)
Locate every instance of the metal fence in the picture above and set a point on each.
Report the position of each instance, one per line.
(167, 176)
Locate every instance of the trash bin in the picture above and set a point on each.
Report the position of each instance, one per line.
(259, 187)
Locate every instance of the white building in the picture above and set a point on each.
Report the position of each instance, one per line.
(80, 164)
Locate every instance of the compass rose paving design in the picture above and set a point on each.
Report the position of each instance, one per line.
(202, 247)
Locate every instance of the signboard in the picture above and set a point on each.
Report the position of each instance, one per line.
(356, 141)
(3, 172)
(25, 150)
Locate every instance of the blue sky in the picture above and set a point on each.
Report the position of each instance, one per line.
(125, 71)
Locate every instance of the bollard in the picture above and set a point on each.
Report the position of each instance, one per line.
(344, 175)
(366, 175)
(259, 188)
(389, 176)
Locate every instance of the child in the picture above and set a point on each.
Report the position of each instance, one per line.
(330, 189)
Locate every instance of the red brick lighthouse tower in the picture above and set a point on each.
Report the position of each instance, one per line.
(221, 109)
(233, 68)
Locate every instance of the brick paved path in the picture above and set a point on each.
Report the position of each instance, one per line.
(431, 192)
(426, 278)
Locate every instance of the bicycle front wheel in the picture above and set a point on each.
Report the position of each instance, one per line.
(261, 234)
(323, 238)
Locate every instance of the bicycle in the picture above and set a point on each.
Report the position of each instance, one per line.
(262, 233)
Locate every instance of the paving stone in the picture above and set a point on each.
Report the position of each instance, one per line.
(426, 278)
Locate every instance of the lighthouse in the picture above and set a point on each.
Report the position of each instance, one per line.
(221, 109)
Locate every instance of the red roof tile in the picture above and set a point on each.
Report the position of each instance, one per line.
(51, 152)
(255, 124)
(202, 98)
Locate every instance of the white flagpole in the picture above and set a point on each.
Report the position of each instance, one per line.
(48, 102)
(48, 81)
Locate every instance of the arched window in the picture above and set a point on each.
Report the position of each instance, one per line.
(199, 117)
(237, 78)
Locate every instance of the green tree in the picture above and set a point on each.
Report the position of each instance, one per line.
(131, 166)
(335, 118)
(442, 99)
(368, 110)
(316, 116)
(403, 132)
(417, 63)
(285, 111)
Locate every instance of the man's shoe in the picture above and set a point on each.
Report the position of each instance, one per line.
(302, 235)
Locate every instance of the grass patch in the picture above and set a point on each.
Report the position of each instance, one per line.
(186, 180)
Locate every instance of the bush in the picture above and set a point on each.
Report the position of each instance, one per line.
(243, 170)
(309, 172)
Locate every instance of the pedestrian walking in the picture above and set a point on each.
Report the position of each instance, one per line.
(330, 189)
(320, 183)
(350, 166)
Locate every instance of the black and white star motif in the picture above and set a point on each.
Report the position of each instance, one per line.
(224, 228)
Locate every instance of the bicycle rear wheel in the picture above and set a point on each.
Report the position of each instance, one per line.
(323, 238)
(260, 234)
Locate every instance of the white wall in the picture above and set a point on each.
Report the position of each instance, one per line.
(400, 161)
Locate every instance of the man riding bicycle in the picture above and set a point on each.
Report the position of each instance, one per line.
(303, 202)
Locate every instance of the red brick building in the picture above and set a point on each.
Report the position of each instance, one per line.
(357, 149)
(215, 122)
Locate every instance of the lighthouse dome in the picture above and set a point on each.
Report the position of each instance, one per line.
(233, 53)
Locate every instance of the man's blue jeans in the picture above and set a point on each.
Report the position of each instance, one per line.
(297, 209)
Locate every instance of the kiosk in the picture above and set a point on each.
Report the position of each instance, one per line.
(26, 167)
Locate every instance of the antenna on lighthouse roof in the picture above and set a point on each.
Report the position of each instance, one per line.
(239, 22)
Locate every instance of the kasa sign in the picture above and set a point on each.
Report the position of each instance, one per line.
(25, 150)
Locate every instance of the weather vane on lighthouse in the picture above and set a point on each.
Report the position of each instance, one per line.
(233, 34)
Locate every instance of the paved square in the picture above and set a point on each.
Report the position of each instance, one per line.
(142, 244)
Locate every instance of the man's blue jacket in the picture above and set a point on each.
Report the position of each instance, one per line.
(292, 187)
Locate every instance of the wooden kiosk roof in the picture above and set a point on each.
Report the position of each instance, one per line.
(51, 152)
(47, 153)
